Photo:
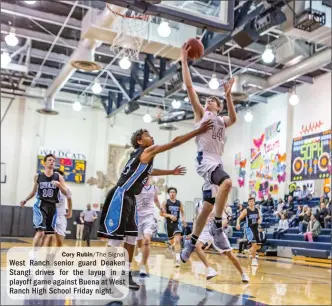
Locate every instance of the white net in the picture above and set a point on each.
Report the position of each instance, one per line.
(131, 32)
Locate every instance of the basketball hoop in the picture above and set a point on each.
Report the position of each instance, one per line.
(131, 31)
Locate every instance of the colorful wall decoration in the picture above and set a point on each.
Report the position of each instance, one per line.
(312, 127)
(268, 165)
(71, 163)
(237, 158)
(311, 157)
(242, 172)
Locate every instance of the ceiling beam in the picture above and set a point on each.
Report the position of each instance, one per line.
(23, 11)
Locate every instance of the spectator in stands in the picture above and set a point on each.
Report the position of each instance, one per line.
(305, 219)
(227, 229)
(280, 208)
(295, 220)
(262, 235)
(270, 203)
(282, 227)
(289, 206)
(314, 228)
(243, 245)
(228, 213)
(322, 212)
(327, 219)
(305, 194)
(296, 193)
(263, 205)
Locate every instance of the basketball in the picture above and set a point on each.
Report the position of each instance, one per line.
(196, 48)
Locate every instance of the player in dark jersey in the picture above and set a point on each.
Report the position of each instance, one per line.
(253, 219)
(47, 186)
(173, 208)
(118, 217)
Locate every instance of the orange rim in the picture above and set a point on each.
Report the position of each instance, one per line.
(141, 17)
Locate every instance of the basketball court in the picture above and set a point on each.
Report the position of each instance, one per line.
(78, 78)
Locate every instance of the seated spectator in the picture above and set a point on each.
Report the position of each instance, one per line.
(314, 228)
(270, 203)
(289, 206)
(282, 227)
(295, 220)
(305, 194)
(262, 235)
(305, 219)
(296, 193)
(263, 205)
(228, 213)
(322, 212)
(280, 208)
(227, 229)
(327, 219)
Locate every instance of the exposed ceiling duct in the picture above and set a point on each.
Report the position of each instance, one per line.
(48, 107)
(247, 84)
(82, 57)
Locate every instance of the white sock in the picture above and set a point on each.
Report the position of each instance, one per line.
(177, 256)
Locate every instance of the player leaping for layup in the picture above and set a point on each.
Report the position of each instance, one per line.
(118, 217)
(210, 147)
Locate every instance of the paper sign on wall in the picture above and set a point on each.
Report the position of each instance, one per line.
(73, 164)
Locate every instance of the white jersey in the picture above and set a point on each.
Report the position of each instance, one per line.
(145, 200)
(62, 206)
(212, 141)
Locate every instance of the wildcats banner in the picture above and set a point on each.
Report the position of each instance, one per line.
(311, 157)
(73, 164)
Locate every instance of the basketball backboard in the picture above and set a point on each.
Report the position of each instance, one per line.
(213, 15)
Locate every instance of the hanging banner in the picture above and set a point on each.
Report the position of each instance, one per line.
(73, 164)
(311, 157)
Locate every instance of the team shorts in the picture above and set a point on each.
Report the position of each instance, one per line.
(61, 225)
(252, 234)
(44, 216)
(147, 225)
(172, 228)
(118, 217)
(210, 168)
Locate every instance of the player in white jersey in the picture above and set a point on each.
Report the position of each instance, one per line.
(205, 238)
(210, 147)
(147, 222)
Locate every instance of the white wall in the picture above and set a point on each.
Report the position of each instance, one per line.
(24, 131)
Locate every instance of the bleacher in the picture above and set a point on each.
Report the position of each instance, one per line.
(320, 248)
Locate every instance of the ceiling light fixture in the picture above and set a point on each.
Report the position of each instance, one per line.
(96, 88)
(268, 54)
(77, 106)
(124, 63)
(294, 99)
(5, 59)
(30, 2)
(164, 30)
(214, 83)
(147, 118)
(248, 116)
(176, 104)
(11, 39)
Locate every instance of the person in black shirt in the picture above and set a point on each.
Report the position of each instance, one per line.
(270, 203)
(47, 186)
(118, 216)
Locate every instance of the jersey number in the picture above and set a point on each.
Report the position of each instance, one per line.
(145, 202)
(47, 193)
(217, 133)
(128, 166)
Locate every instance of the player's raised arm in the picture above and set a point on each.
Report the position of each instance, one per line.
(152, 151)
(33, 191)
(231, 118)
(194, 100)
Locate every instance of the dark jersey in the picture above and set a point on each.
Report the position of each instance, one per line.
(135, 174)
(47, 191)
(252, 217)
(173, 208)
